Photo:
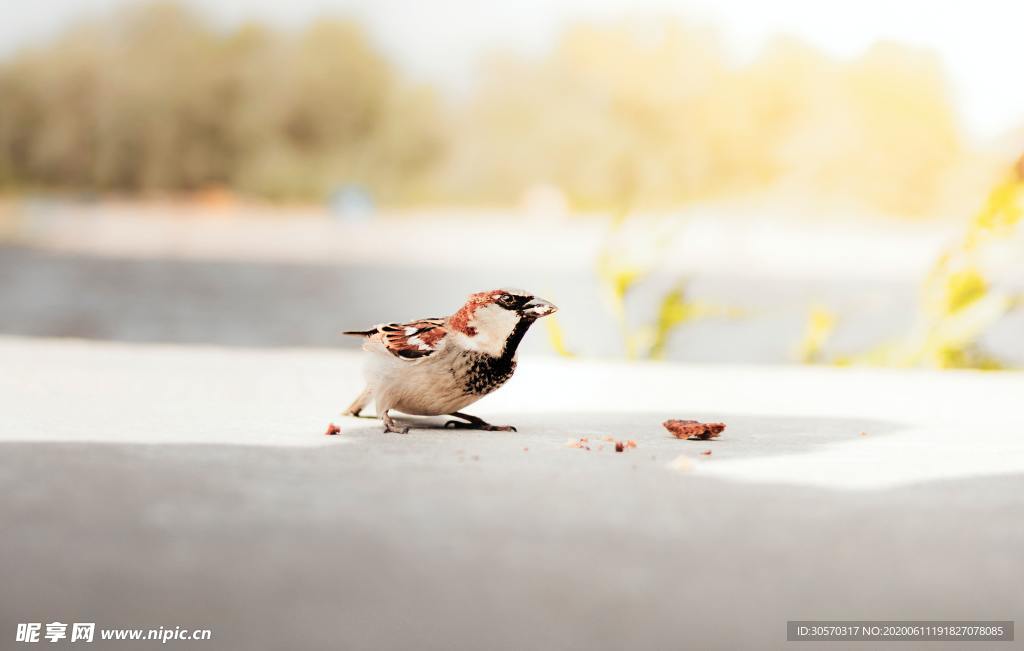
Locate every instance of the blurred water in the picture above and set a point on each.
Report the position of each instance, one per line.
(278, 304)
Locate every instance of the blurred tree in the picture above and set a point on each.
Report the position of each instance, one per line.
(650, 114)
(635, 114)
(153, 99)
(609, 117)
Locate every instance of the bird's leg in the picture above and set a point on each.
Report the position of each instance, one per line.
(390, 425)
(359, 404)
(476, 423)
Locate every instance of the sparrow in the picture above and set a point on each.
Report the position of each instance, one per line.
(438, 366)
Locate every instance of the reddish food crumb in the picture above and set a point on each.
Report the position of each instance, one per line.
(332, 430)
(526, 449)
(706, 453)
(583, 443)
(692, 429)
(863, 433)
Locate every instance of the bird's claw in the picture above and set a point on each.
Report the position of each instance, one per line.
(487, 427)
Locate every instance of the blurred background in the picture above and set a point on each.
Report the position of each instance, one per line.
(695, 181)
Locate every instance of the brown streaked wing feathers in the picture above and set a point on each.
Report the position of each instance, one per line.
(412, 340)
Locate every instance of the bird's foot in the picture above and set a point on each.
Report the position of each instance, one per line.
(487, 427)
(391, 426)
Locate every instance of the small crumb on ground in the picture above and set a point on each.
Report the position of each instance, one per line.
(692, 429)
(583, 443)
(682, 463)
(706, 453)
(332, 430)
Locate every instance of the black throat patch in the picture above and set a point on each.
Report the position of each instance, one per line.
(486, 372)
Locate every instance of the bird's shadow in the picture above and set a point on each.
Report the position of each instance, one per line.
(745, 435)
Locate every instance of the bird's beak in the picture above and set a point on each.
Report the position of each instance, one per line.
(538, 307)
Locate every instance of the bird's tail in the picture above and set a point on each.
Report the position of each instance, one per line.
(361, 333)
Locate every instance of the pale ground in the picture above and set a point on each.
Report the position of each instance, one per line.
(148, 485)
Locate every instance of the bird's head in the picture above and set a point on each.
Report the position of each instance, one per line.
(494, 322)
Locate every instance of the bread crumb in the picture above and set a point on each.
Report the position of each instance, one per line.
(692, 429)
(332, 430)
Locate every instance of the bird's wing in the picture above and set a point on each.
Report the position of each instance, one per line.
(412, 340)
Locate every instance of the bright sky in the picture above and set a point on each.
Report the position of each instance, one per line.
(439, 40)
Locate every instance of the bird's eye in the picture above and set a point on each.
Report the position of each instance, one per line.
(506, 299)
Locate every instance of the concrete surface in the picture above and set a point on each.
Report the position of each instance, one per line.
(148, 485)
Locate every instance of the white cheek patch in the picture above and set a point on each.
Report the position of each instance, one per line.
(493, 325)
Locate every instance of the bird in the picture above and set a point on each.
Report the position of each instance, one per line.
(440, 365)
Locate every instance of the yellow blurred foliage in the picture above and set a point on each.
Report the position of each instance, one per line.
(821, 323)
(556, 336)
(959, 302)
(632, 251)
(651, 114)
